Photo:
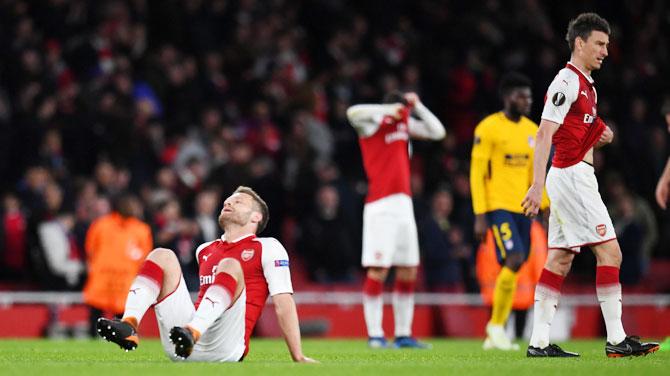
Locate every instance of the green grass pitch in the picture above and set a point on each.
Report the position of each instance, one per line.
(338, 357)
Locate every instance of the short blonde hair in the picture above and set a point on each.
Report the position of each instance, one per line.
(261, 206)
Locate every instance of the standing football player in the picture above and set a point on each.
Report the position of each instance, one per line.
(500, 173)
(578, 216)
(389, 229)
(237, 273)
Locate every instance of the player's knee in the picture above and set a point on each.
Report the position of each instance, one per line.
(608, 254)
(230, 266)
(514, 262)
(377, 273)
(559, 261)
(406, 273)
(163, 257)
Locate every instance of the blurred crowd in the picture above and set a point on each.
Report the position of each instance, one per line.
(179, 102)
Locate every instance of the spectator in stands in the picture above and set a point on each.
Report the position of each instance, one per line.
(326, 240)
(116, 245)
(83, 83)
(63, 257)
(442, 244)
(13, 238)
(634, 217)
(206, 213)
(173, 231)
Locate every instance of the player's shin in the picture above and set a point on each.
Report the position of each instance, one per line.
(547, 293)
(373, 306)
(608, 290)
(503, 296)
(216, 300)
(403, 307)
(143, 292)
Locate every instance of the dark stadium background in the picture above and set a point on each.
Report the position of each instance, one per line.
(169, 99)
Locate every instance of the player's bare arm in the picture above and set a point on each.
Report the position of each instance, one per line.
(531, 203)
(287, 315)
(429, 127)
(481, 226)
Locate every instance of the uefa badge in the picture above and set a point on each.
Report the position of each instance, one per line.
(247, 254)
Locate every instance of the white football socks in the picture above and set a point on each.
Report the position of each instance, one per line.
(373, 308)
(142, 294)
(403, 313)
(609, 298)
(215, 301)
(546, 303)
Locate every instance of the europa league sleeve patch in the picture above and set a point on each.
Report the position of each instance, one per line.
(558, 99)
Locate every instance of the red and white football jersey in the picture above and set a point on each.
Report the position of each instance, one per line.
(386, 158)
(266, 271)
(571, 101)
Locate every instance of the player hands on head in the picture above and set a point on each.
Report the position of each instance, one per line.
(237, 273)
(578, 216)
(389, 228)
(500, 174)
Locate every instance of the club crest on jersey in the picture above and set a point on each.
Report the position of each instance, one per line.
(558, 99)
(247, 254)
(601, 229)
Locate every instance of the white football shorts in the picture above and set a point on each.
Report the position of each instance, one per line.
(221, 342)
(578, 216)
(389, 233)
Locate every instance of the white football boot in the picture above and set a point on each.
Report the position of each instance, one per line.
(497, 339)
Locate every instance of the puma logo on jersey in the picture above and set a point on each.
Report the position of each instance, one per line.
(211, 301)
(205, 257)
(134, 291)
(583, 92)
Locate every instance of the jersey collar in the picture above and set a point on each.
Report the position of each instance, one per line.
(574, 68)
(223, 238)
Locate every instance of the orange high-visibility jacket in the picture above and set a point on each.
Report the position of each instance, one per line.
(115, 250)
(527, 277)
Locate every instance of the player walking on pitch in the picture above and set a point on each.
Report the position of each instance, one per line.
(578, 216)
(389, 228)
(237, 273)
(500, 173)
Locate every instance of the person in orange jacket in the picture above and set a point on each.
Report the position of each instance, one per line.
(116, 245)
(488, 269)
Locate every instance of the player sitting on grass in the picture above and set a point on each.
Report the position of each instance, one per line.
(237, 273)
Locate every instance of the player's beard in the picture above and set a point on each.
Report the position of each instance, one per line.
(516, 111)
(237, 218)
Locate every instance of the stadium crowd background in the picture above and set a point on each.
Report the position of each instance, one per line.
(180, 102)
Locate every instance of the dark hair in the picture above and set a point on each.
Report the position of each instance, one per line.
(261, 206)
(511, 81)
(123, 204)
(583, 25)
(395, 96)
